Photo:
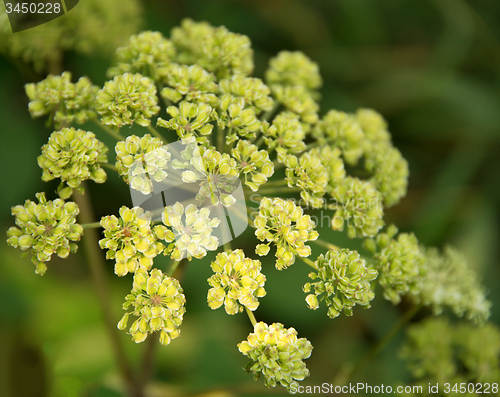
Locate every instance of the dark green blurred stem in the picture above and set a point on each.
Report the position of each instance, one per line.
(92, 225)
(147, 361)
(308, 262)
(325, 244)
(382, 343)
(97, 263)
(251, 316)
(108, 166)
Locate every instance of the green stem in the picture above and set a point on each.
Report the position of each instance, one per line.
(220, 139)
(251, 316)
(92, 225)
(156, 133)
(173, 267)
(326, 244)
(147, 361)
(382, 343)
(260, 141)
(108, 130)
(308, 262)
(275, 183)
(108, 166)
(280, 190)
(97, 264)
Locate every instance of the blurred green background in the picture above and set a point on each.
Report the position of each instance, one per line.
(431, 67)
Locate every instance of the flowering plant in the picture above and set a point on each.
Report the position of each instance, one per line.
(195, 89)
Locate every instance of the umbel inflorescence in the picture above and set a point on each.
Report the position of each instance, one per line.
(196, 89)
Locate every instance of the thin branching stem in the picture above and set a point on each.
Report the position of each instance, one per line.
(108, 130)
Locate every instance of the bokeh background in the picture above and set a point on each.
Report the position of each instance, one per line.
(431, 67)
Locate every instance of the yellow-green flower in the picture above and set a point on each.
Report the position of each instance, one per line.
(276, 354)
(66, 102)
(293, 69)
(191, 84)
(141, 160)
(253, 163)
(239, 119)
(127, 99)
(215, 49)
(46, 228)
(158, 303)
(216, 175)
(309, 174)
(298, 100)
(237, 282)
(148, 53)
(74, 156)
(343, 281)
(358, 206)
(283, 223)
(285, 133)
(130, 240)
(253, 91)
(192, 228)
(190, 120)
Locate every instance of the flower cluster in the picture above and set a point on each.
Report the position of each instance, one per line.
(216, 175)
(142, 159)
(45, 228)
(127, 99)
(276, 354)
(190, 83)
(74, 156)
(450, 282)
(240, 119)
(158, 302)
(253, 91)
(215, 49)
(253, 163)
(66, 102)
(147, 53)
(438, 351)
(295, 69)
(400, 262)
(283, 223)
(130, 240)
(359, 206)
(285, 134)
(190, 120)
(343, 281)
(309, 174)
(237, 282)
(193, 234)
(96, 28)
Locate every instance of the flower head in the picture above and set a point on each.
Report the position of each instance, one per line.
(148, 53)
(450, 282)
(127, 99)
(343, 281)
(129, 240)
(190, 120)
(237, 282)
(276, 354)
(293, 69)
(74, 156)
(46, 228)
(190, 83)
(309, 174)
(254, 164)
(193, 234)
(215, 49)
(284, 224)
(399, 261)
(216, 174)
(158, 303)
(253, 91)
(359, 205)
(65, 101)
(141, 160)
(285, 133)
(239, 119)
(298, 100)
